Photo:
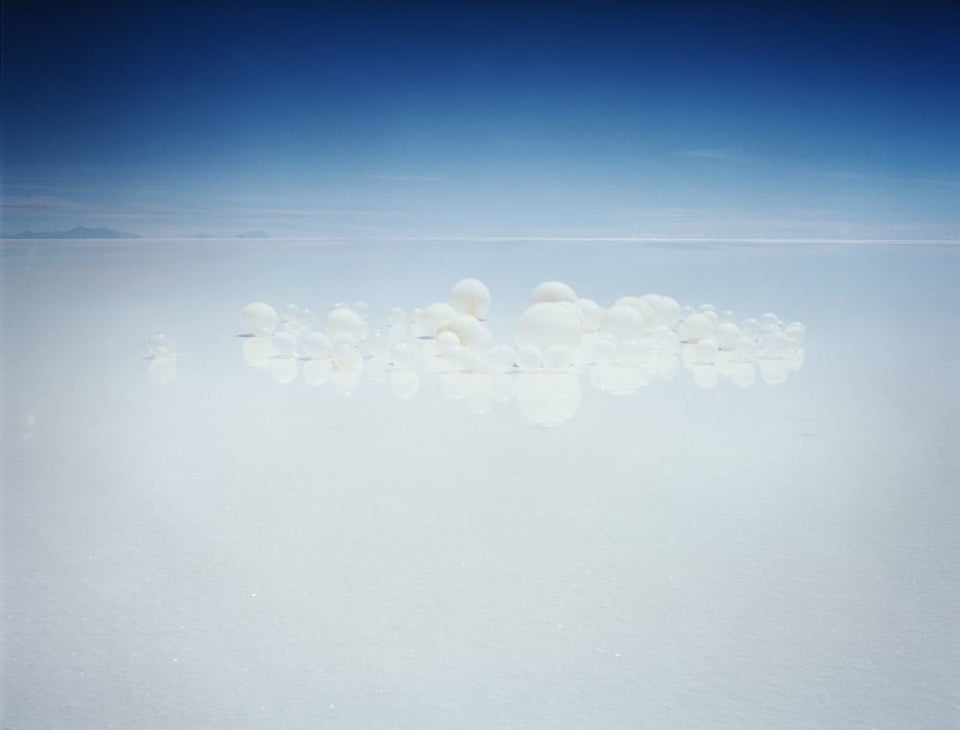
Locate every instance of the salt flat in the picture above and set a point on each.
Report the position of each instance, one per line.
(222, 550)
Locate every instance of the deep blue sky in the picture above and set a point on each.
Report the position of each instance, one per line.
(500, 119)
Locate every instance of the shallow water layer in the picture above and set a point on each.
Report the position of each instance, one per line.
(221, 549)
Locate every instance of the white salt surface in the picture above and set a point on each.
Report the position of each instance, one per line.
(212, 548)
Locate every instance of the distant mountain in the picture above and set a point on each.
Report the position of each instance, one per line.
(253, 234)
(78, 232)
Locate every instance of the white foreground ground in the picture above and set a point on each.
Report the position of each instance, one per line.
(224, 551)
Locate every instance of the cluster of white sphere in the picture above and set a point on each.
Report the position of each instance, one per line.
(623, 347)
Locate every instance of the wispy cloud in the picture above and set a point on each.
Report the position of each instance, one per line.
(715, 153)
(408, 178)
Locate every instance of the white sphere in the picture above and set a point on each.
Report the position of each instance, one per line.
(592, 313)
(529, 357)
(707, 308)
(659, 308)
(727, 335)
(706, 352)
(634, 353)
(773, 372)
(397, 316)
(258, 352)
(642, 306)
(500, 358)
(463, 326)
(604, 349)
(470, 296)
(727, 316)
(713, 317)
(557, 358)
(447, 342)
(361, 309)
(549, 323)
(624, 322)
(696, 327)
(435, 316)
(665, 339)
(744, 349)
(259, 319)
(552, 291)
(672, 311)
(285, 370)
(750, 327)
(769, 319)
(345, 321)
(347, 357)
(398, 333)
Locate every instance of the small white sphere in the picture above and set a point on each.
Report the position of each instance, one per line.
(284, 344)
(696, 327)
(259, 319)
(435, 316)
(529, 357)
(161, 345)
(707, 308)
(727, 316)
(775, 345)
(343, 320)
(464, 326)
(727, 335)
(769, 319)
(686, 310)
(397, 316)
(604, 349)
(773, 372)
(316, 345)
(624, 322)
(750, 327)
(404, 356)
(447, 342)
(549, 323)
(796, 332)
(552, 291)
(642, 305)
(713, 317)
(470, 296)
(500, 358)
(361, 309)
(744, 349)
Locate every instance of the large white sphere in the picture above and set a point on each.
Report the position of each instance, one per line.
(470, 296)
(464, 326)
(592, 312)
(529, 357)
(552, 291)
(259, 318)
(642, 306)
(696, 327)
(549, 323)
(557, 358)
(435, 316)
(500, 358)
(750, 327)
(624, 322)
(796, 332)
(285, 344)
(344, 320)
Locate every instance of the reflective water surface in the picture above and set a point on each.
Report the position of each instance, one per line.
(287, 529)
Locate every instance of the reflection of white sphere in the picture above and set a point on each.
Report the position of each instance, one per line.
(794, 358)
(549, 323)
(727, 335)
(345, 383)
(773, 372)
(470, 296)
(744, 349)
(285, 370)
(316, 372)
(258, 352)
(552, 291)
(624, 322)
(696, 327)
(634, 353)
(502, 387)
(604, 348)
(162, 370)
(435, 316)
(743, 374)
(259, 319)
(404, 384)
(397, 316)
(344, 321)
(548, 399)
(705, 376)
(347, 357)
(706, 352)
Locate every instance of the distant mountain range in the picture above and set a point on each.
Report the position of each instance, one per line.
(78, 232)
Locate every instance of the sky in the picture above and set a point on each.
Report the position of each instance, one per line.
(361, 120)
